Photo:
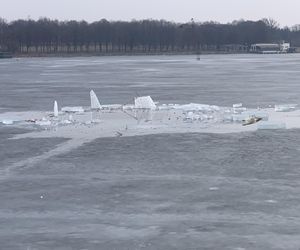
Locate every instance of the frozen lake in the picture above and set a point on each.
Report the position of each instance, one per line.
(172, 191)
(255, 80)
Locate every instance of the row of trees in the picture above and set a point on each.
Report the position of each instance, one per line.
(53, 36)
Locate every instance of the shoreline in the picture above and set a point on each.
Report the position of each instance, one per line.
(70, 55)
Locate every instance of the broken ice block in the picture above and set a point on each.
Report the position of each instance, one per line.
(285, 107)
(7, 122)
(237, 105)
(144, 102)
(72, 109)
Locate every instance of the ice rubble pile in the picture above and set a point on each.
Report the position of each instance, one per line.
(145, 109)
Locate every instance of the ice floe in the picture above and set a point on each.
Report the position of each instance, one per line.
(145, 116)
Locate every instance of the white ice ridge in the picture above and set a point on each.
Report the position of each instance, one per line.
(95, 104)
(144, 117)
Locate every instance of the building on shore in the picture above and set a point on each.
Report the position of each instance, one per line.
(270, 48)
(5, 55)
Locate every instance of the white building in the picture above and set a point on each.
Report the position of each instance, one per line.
(270, 48)
(285, 47)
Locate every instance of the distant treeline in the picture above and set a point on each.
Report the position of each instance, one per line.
(146, 36)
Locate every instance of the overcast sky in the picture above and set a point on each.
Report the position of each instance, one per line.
(285, 12)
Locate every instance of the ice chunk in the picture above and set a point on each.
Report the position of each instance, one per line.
(112, 107)
(285, 107)
(192, 116)
(72, 109)
(144, 102)
(43, 123)
(239, 110)
(237, 105)
(95, 104)
(7, 122)
(197, 107)
(270, 125)
(55, 109)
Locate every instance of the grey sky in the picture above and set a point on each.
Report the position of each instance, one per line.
(285, 12)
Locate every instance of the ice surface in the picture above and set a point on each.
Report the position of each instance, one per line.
(239, 117)
(271, 125)
(112, 106)
(43, 123)
(239, 110)
(128, 107)
(167, 181)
